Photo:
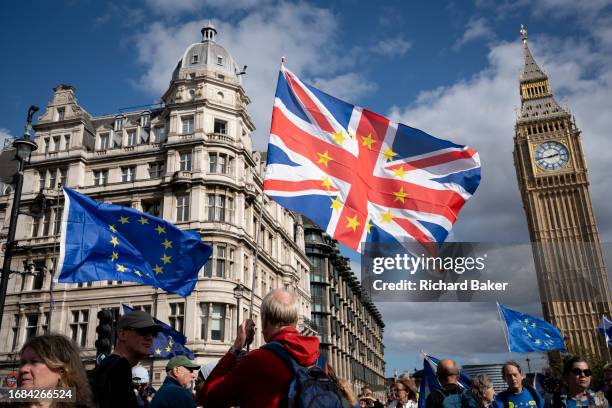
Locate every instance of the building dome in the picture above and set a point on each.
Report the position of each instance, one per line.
(206, 55)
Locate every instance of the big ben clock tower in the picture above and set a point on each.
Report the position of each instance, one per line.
(553, 180)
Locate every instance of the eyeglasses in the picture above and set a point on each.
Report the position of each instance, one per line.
(577, 372)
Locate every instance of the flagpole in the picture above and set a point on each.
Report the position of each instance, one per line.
(255, 259)
(57, 235)
(504, 327)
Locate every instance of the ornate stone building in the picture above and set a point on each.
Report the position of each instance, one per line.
(553, 180)
(189, 161)
(348, 324)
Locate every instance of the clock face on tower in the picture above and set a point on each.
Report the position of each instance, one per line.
(551, 156)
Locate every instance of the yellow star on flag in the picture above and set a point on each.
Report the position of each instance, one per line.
(165, 259)
(524, 328)
(137, 273)
(112, 228)
(160, 230)
(143, 220)
(389, 153)
(537, 341)
(158, 269)
(400, 195)
(387, 217)
(326, 182)
(533, 325)
(339, 137)
(121, 268)
(167, 243)
(157, 351)
(124, 220)
(324, 158)
(114, 256)
(336, 204)
(399, 172)
(353, 223)
(114, 241)
(368, 141)
(368, 227)
(168, 349)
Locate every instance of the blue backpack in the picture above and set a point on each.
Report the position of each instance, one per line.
(310, 387)
(455, 400)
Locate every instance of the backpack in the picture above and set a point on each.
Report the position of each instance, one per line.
(534, 396)
(98, 380)
(310, 387)
(454, 400)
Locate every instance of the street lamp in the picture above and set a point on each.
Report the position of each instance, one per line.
(23, 150)
(238, 293)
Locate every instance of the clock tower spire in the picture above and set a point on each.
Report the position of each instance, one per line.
(553, 181)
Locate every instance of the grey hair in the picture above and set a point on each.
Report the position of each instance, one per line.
(480, 384)
(280, 308)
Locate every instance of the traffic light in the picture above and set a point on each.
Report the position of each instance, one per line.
(104, 329)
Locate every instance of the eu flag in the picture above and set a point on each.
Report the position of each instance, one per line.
(528, 333)
(102, 241)
(168, 342)
(605, 329)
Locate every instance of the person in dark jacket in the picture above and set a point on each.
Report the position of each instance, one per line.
(260, 378)
(180, 373)
(448, 375)
(113, 377)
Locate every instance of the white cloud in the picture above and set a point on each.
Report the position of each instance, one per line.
(258, 40)
(4, 135)
(389, 47)
(176, 7)
(477, 28)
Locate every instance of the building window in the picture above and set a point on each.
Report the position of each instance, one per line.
(56, 143)
(195, 58)
(159, 134)
(145, 119)
(63, 177)
(119, 123)
(52, 178)
(220, 126)
(100, 177)
(128, 174)
(152, 207)
(220, 267)
(104, 141)
(177, 316)
(156, 169)
(220, 163)
(117, 139)
(217, 321)
(78, 327)
(131, 137)
(185, 161)
(66, 142)
(61, 113)
(187, 124)
(219, 60)
(203, 319)
(144, 308)
(15, 331)
(39, 274)
(182, 207)
(47, 144)
(42, 179)
(31, 326)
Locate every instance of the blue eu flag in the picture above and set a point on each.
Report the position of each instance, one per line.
(168, 342)
(103, 241)
(528, 333)
(430, 382)
(605, 329)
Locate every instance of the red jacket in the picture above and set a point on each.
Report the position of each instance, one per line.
(261, 378)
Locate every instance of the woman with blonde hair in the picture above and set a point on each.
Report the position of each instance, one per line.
(53, 361)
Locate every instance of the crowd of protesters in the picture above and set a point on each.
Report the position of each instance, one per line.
(265, 377)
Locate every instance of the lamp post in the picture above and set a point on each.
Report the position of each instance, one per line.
(238, 293)
(23, 149)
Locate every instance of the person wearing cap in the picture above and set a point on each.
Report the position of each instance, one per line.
(174, 393)
(112, 383)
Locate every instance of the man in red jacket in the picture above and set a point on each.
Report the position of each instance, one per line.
(260, 379)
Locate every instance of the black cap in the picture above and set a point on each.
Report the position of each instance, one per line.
(137, 319)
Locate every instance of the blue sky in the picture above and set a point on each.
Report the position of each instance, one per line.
(450, 68)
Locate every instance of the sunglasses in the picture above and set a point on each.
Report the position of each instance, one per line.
(577, 372)
(144, 331)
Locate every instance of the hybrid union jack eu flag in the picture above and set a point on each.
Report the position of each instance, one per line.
(360, 176)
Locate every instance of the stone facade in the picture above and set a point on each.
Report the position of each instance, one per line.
(189, 161)
(348, 324)
(553, 180)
